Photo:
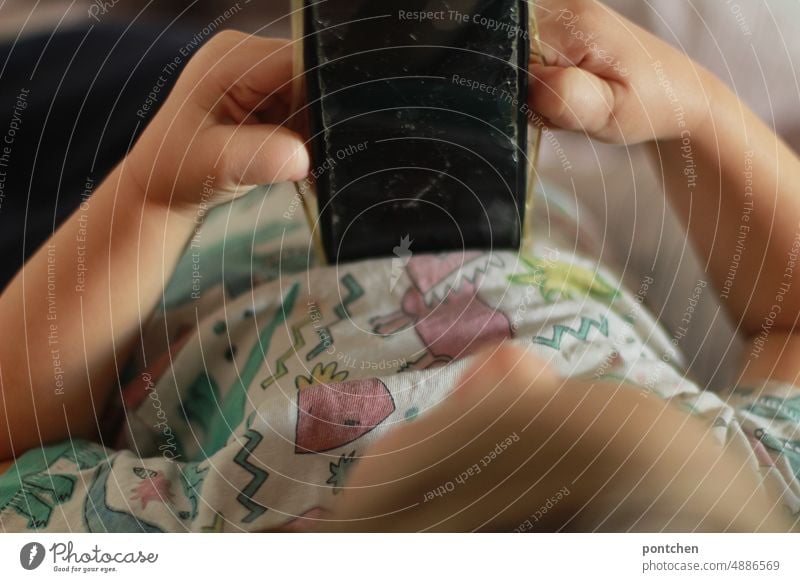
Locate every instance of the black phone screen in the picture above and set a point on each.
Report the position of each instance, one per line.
(418, 123)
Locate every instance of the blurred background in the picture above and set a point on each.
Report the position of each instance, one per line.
(36, 15)
(754, 45)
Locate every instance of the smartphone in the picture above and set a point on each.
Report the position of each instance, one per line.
(418, 123)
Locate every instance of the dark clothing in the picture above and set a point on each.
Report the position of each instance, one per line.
(71, 104)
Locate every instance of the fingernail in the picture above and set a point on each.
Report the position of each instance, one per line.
(300, 163)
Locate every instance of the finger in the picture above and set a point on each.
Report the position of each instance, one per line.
(259, 154)
(248, 67)
(571, 98)
(555, 47)
(509, 368)
(390, 485)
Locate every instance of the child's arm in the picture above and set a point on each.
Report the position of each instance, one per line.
(515, 448)
(743, 215)
(67, 338)
(70, 342)
(734, 183)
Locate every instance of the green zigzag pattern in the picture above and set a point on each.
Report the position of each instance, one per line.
(582, 333)
(342, 311)
(259, 476)
(231, 413)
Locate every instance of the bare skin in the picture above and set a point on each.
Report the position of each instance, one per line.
(628, 461)
(219, 122)
(224, 109)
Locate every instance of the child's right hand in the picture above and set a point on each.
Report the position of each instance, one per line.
(223, 125)
(603, 75)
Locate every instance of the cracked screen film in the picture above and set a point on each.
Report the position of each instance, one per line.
(417, 125)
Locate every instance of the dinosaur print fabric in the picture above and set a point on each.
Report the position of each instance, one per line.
(263, 378)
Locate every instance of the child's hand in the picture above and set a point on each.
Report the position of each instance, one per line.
(517, 448)
(220, 128)
(603, 75)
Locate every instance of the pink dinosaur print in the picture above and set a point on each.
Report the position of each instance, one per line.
(154, 487)
(330, 416)
(443, 305)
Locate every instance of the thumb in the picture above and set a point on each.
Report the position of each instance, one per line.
(571, 98)
(259, 154)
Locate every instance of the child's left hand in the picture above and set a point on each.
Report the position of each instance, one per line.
(223, 124)
(602, 75)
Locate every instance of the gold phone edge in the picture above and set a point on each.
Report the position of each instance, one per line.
(526, 244)
(306, 190)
